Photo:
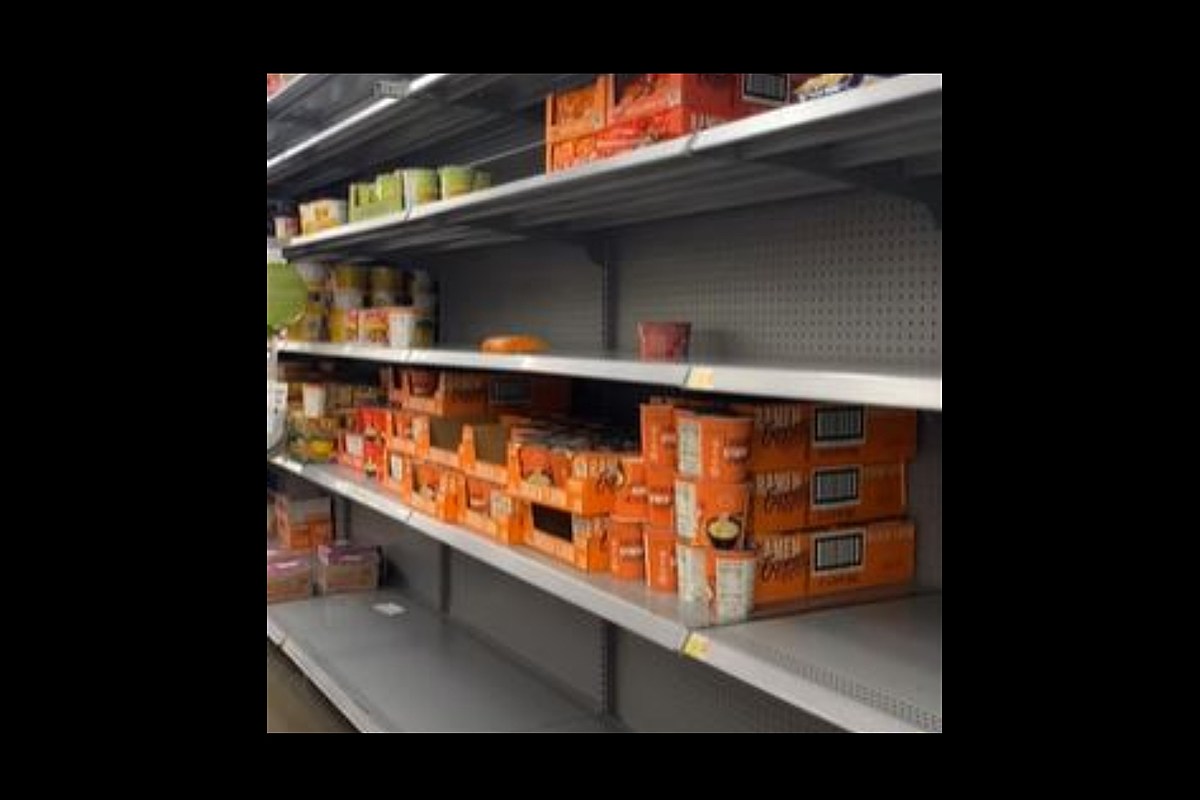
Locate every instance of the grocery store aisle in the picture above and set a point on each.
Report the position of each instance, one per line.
(293, 704)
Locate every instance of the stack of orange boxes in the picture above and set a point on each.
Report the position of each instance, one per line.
(623, 111)
(570, 475)
(828, 497)
(438, 405)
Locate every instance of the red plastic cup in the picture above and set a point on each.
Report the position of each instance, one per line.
(664, 341)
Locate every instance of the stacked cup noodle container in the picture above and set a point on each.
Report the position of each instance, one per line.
(424, 308)
(350, 285)
(658, 472)
(313, 324)
(712, 511)
(627, 555)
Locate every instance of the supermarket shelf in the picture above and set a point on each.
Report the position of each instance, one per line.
(444, 118)
(314, 101)
(864, 668)
(600, 367)
(887, 136)
(918, 387)
(412, 672)
(655, 616)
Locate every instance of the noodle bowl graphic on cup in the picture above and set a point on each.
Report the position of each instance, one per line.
(725, 532)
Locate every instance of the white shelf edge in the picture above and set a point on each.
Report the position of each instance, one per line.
(828, 704)
(921, 391)
(358, 717)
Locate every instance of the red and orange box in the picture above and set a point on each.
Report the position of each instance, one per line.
(442, 393)
(578, 540)
(490, 510)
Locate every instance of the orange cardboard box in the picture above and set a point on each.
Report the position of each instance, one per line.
(441, 393)
(778, 501)
(782, 572)
(375, 423)
(579, 482)
(484, 452)
(879, 554)
(352, 450)
(436, 490)
(303, 524)
(401, 436)
(374, 460)
(842, 434)
(856, 493)
(571, 153)
(440, 440)
(576, 112)
(780, 436)
(395, 476)
(633, 133)
(626, 549)
(639, 94)
(491, 511)
(528, 394)
(581, 541)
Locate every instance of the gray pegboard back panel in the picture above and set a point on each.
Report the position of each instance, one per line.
(658, 691)
(558, 639)
(852, 276)
(925, 499)
(414, 564)
(543, 289)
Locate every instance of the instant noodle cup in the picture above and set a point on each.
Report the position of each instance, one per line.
(660, 497)
(343, 325)
(664, 341)
(733, 585)
(631, 489)
(661, 568)
(350, 276)
(692, 563)
(658, 435)
(626, 548)
(712, 447)
(456, 181)
(713, 514)
(420, 186)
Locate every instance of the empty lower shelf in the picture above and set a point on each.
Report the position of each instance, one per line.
(413, 672)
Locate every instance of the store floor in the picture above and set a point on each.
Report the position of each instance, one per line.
(293, 704)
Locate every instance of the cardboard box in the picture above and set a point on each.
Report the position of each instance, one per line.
(581, 541)
(571, 153)
(375, 461)
(401, 436)
(844, 434)
(856, 493)
(440, 440)
(712, 514)
(375, 423)
(384, 195)
(352, 450)
(303, 524)
(579, 482)
(660, 497)
(879, 554)
(289, 579)
(436, 490)
(490, 510)
(778, 501)
(633, 95)
(344, 568)
(484, 452)
(528, 394)
(631, 134)
(782, 572)
(441, 393)
(577, 112)
(395, 476)
(780, 435)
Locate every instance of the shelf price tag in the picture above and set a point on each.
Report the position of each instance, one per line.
(696, 646)
(700, 378)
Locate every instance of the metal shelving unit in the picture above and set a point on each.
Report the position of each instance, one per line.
(412, 672)
(653, 615)
(887, 137)
(332, 128)
(916, 387)
(875, 667)
(835, 299)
